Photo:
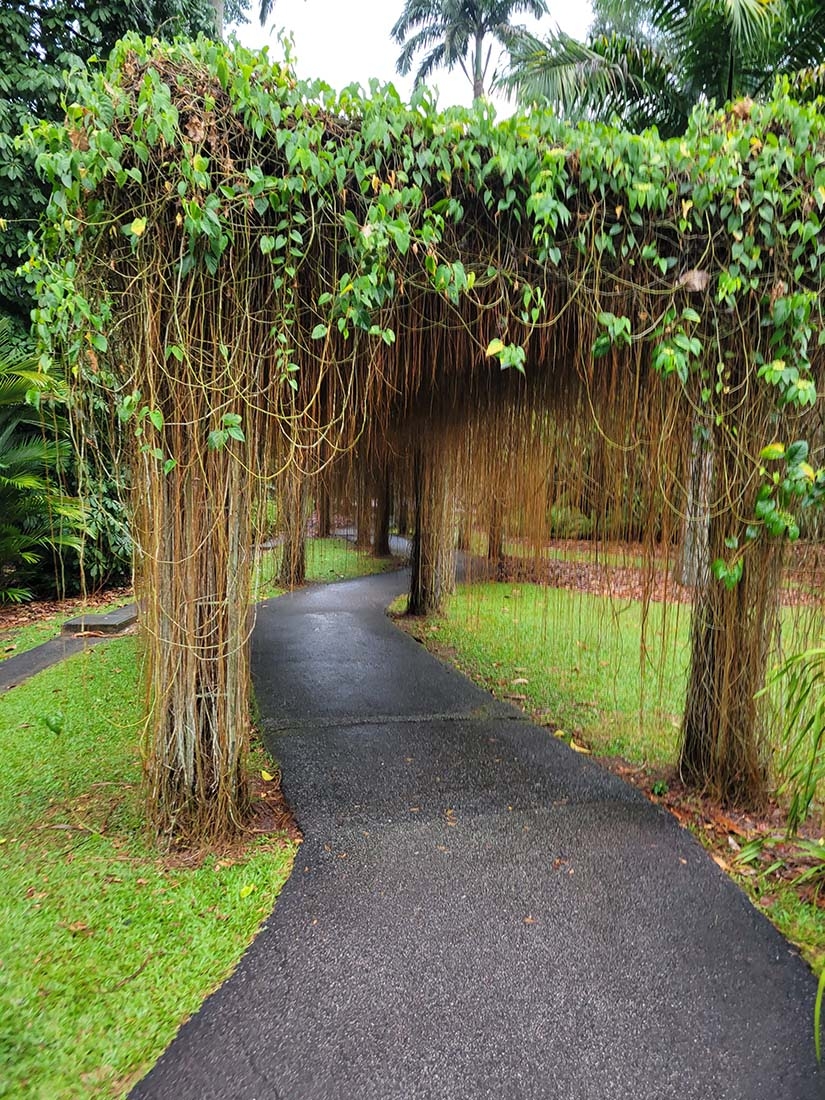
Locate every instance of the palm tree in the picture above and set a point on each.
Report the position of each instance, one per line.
(454, 32)
(649, 62)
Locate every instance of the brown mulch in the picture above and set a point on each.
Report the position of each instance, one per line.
(804, 579)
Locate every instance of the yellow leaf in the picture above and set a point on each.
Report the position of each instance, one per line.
(245, 891)
(808, 471)
(266, 776)
(772, 452)
(578, 748)
(495, 347)
(138, 227)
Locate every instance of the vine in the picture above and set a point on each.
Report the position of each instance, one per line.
(262, 269)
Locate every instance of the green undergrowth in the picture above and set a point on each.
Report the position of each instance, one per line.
(105, 947)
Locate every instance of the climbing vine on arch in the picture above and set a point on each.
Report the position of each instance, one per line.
(262, 273)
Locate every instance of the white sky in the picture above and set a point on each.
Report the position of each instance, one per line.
(348, 41)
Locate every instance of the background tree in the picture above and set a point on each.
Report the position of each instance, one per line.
(649, 62)
(455, 32)
(40, 42)
(36, 520)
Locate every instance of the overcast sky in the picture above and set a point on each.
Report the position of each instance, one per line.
(348, 41)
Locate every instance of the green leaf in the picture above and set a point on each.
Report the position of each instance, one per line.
(772, 452)
(319, 332)
(156, 416)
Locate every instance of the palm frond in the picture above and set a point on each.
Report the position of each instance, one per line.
(607, 77)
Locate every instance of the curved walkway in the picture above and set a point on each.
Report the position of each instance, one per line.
(477, 911)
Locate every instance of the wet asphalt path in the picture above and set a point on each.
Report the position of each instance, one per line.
(477, 911)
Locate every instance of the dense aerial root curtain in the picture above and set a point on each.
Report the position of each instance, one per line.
(284, 292)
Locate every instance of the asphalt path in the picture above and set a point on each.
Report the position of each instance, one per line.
(477, 911)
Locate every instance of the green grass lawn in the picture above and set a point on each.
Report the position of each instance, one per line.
(105, 948)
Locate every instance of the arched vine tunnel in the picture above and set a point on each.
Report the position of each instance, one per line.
(282, 290)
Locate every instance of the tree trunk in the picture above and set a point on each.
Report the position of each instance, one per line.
(495, 534)
(403, 523)
(381, 538)
(324, 506)
(432, 560)
(722, 748)
(363, 512)
(695, 557)
(478, 67)
(192, 585)
(293, 568)
(218, 8)
(465, 531)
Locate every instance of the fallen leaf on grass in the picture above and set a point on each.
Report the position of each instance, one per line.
(267, 776)
(79, 928)
(245, 891)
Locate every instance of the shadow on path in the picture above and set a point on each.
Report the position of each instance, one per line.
(477, 911)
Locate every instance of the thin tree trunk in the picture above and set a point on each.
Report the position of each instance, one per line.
(478, 68)
(218, 7)
(495, 534)
(722, 748)
(381, 539)
(694, 563)
(363, 512)
(432, 560)
(324, 507)
(403, 522)
(465, 531)
(293, 568)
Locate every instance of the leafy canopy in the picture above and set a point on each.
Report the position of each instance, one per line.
(719, 234)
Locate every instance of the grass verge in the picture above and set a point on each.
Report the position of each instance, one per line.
(576, 663)
(105, 948)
